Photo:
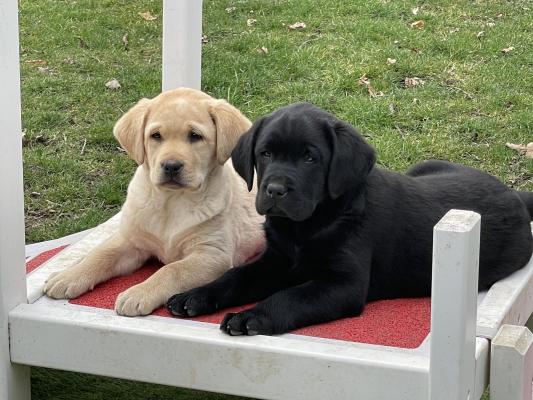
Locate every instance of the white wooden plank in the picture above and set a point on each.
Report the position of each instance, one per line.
(159, 350)
(511, 364)
(14, 380)
(509, 301)
(34, 249)
(453, 306)
(482, 367)
(182, 44)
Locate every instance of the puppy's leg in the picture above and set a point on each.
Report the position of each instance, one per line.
(239, 285)
(203, 265)
(310, 303)
(339, 289)
(116, 256)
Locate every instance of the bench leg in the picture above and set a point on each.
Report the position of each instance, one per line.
(511, 363)
(14, 379)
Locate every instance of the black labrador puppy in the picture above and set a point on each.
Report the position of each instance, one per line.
(342, 232)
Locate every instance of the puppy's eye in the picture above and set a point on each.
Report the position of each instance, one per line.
(156, 136)
(194, 137)
(308, 158)
(266, 154)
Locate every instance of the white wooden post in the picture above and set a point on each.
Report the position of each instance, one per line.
(453, 306)
(14, 379)
(511, 363)
(182, 43)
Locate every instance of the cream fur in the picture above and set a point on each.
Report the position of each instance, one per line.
(198, 231)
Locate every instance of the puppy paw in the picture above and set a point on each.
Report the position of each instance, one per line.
(249, 322)
(192, 303)
(67, 284)
(137, 300)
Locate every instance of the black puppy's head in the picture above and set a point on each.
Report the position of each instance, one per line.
(303, 155)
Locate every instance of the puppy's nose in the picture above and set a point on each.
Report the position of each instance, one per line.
(276, 190)
(171, 167)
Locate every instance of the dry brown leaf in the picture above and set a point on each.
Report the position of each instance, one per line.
(507, 50)
(229, 10)
(263, 50)
(250, 21)
(37, 62)
(415, 10)
(147, 16)
(113, 84)
(125, 41)
(297, 25)
(46, 70)
(526, 150)
(418, 24)
(391, 61)
(364, 81)
(69, 61)
(412, 82)
(499, 15)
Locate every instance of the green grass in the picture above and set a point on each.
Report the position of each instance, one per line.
(474, 100)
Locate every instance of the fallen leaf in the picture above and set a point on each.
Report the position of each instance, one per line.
(454, 30)
(45, 70)
(250, 21)
(205, 39)
(125, 41)
(418, 24)
(263, 50)
(499, 15)
(37, 62)
(507, 50)
(69, 61)
(412, 82)
(526, 150)
(364, 81)
(480, 34)
(229, 10)
(392, 109)
(391, 61)
(147, 16)
(416, 101)
(297, 25)
(415, 10)
(396, 42)
(113, 84)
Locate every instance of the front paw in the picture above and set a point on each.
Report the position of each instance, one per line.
(137, 300)
(67, 284)
(192, 303)
(250, 322)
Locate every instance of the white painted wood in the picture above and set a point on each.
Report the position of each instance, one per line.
(14, 380)
(511, 364)
(482, 367)
(35, 249)
(166, 351)
(509, 301)
(182, 43)
(453, 306)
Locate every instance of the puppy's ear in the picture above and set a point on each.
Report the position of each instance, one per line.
(230, 125)
(243, 156)
(352, 158)
(129, 130)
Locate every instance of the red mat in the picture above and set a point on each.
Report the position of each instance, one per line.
(401, 323)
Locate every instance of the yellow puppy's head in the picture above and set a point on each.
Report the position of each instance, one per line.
(180, 136)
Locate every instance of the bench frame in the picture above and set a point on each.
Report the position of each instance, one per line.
(183, 354)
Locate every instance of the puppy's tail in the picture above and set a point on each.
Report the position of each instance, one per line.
(527, 198)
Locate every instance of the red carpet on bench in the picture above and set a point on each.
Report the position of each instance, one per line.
(401, 323)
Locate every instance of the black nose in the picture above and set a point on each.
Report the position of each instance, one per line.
(172, 167)
(276, 190)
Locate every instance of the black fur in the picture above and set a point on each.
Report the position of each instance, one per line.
(342, 232)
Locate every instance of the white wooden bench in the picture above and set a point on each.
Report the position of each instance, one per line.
(453, 363)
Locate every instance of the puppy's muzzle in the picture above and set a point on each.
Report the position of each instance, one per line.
(276, 190)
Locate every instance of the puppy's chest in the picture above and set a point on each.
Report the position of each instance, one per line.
(163, 233)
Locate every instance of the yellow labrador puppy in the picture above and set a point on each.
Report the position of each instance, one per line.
(185, 205)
